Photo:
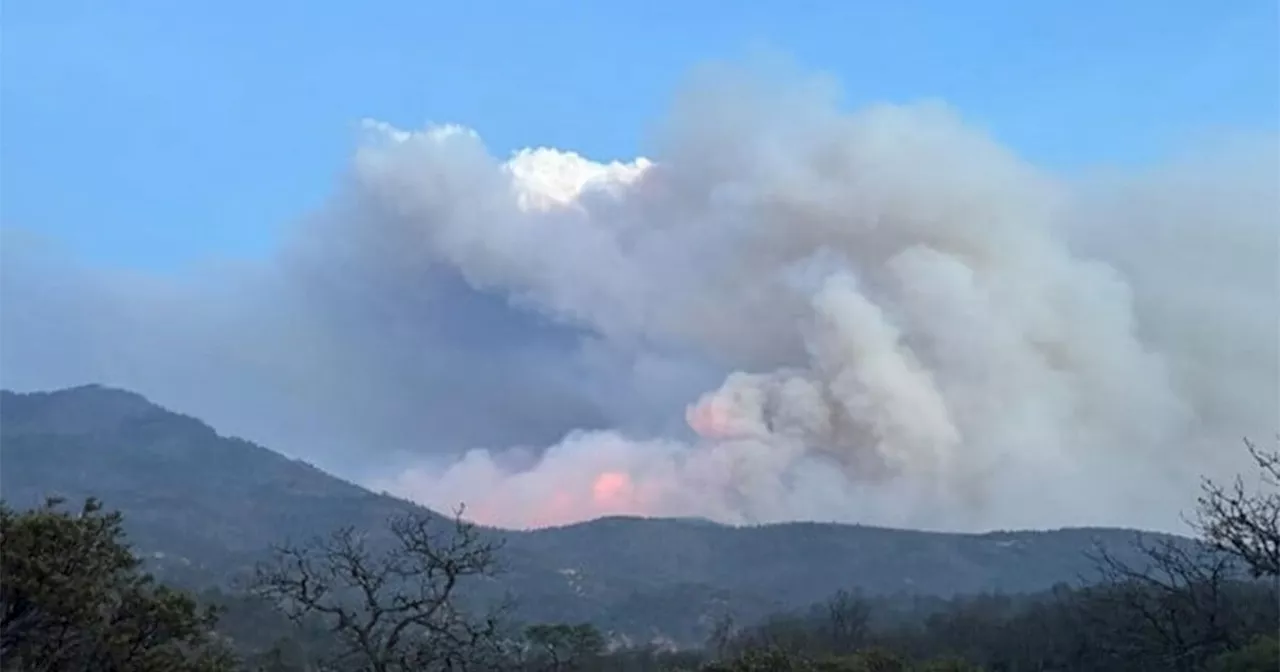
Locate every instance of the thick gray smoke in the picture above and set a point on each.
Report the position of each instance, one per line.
(788, 312)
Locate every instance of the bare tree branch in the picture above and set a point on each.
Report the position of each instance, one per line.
(396, 608)
(1242, 521)
(1178, 603)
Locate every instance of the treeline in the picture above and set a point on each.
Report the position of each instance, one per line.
(1122, 625)
(74, 597)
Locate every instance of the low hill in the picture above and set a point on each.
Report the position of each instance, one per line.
(203, 507)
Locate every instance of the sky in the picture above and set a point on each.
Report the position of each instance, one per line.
(948, 265)
(154, 135)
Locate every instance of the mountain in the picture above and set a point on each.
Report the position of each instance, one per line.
(203, 507)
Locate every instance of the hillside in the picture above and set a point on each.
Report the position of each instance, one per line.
(203, 507)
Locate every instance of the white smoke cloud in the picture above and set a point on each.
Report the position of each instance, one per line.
(906, 324)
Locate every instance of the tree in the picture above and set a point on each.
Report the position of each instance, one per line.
(394, 606)
(1245, 522)
(848, 619)
(722, 636)
(1186, 605)
(1260, 655)
(561, 647)
(776, 660)
(761, 660)
(947, 665)
(74, 597)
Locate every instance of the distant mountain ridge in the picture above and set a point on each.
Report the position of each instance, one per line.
(203, 507)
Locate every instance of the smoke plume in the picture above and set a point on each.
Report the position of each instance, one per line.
(788, 311)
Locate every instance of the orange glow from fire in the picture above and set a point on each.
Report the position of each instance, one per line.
(608, 493)
(559, 509)
(604, 492)
(611, 488)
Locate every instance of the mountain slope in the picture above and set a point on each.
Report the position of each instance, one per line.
(184, 489)
(204, 507)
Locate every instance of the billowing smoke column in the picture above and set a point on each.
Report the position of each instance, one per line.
(909, 326)
(913, 338)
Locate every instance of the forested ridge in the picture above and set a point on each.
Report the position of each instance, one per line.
(202, 510)
(408, 589)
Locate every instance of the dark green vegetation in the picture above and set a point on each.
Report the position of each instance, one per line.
(374, 583)
(73, 598)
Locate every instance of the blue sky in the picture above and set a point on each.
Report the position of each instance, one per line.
(155, 134)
